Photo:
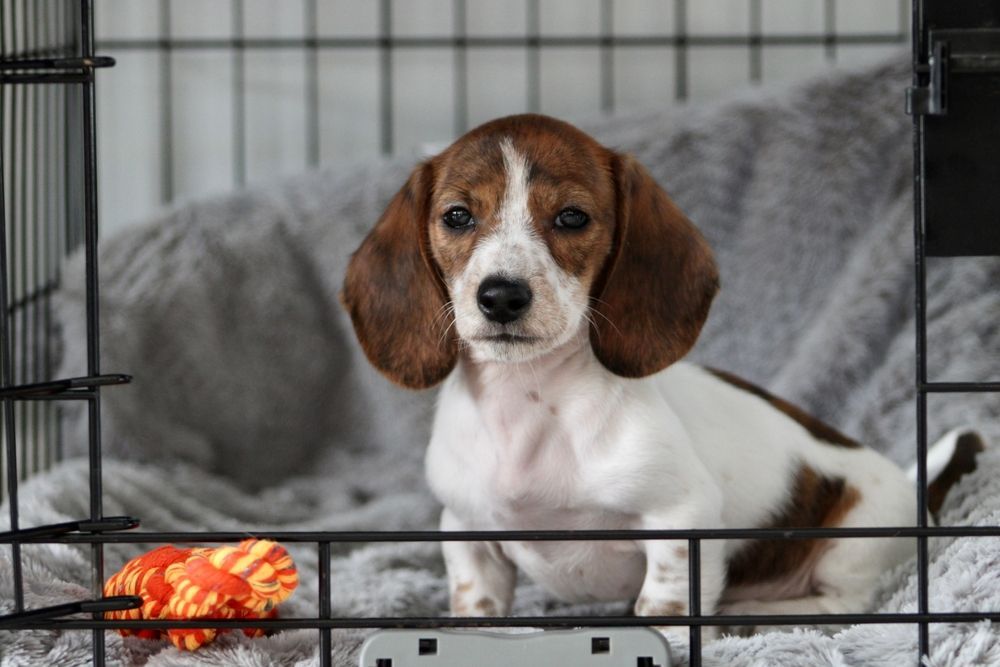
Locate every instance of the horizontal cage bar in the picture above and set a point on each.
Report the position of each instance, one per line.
(491, 41)
(55, 63)
(888, 618)
(960, 387)
(522, 535)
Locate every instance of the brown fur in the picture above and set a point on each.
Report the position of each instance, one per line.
(486, 607)
(815, 502)
(654, 294)
(819, 429)
(962, 462)
(471, 173)
(645, 608)
(402, 329)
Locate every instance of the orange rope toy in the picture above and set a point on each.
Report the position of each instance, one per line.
(247, 581)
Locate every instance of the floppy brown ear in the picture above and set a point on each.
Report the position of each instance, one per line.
(654, 294)
(395, 294)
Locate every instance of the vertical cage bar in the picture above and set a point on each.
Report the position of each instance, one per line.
(325, 610)
(533, 57)
(3, 230)
(93, 309)
(681, 51)
(312, 83)
(61, 237)
(830, 30)
(385, 73)
(239, 95)
(694, 601)
(36, 297)
(6, 370)
(756, 61)
(461, 68)
(920, 316)
(607, 58)
(166, 81)
(20, 249)
(51, 159)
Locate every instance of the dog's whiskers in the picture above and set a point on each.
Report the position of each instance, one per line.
(606, 318)
(444, 311)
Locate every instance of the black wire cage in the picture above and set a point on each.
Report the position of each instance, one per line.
(49, 208)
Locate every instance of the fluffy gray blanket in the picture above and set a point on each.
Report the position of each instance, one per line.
(253, 409)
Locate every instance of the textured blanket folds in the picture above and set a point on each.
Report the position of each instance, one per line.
(253, 408)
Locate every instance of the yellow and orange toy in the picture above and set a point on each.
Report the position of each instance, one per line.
(246, 581)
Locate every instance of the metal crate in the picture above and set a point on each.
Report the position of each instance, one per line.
(49, 207)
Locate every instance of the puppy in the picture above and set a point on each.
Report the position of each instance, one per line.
(554, 286)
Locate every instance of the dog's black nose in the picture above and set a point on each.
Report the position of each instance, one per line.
(503, 300)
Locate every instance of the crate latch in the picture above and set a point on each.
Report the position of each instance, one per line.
(970, 51)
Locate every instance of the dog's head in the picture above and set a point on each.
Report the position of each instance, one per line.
(521, 235)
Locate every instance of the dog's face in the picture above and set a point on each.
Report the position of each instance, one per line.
(521, 235)
(520, 227)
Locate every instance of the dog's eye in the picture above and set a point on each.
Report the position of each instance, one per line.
(458, 217)
(571, 218)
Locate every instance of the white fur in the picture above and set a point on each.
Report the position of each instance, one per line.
(542, 436)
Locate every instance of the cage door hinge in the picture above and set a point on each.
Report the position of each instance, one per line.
(967, 51)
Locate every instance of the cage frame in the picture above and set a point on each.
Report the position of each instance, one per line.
(78, 69)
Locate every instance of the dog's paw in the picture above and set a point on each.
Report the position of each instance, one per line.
(476, 605)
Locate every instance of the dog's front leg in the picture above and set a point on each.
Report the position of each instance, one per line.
(480, 578)
(665, 587)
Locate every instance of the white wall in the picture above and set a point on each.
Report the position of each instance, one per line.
(132, 97)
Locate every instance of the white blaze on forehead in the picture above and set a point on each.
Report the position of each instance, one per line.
(513, 248)
(514, 207)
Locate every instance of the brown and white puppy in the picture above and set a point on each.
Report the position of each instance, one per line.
(540, 275)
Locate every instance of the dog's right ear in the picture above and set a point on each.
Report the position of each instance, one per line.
(395, 294)
(658, 283)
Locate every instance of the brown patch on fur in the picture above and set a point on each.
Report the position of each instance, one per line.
(553, 410)
(963, 461)
(819, 429)
(674, 609)
(486, 607)
(471, 175)
(645, 608)
(661, 573)
(395, 295)
(815, 502)
(458, 604)
(533, 396)
(664, 572)
(568, 169)
(654, 293)
(681, 551)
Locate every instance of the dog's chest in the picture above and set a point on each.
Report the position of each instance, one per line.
(519, 468)
(505, 462)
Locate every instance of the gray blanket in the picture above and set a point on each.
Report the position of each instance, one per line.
(253, 409)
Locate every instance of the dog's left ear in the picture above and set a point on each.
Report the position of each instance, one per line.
(654, 293)
(395, 295)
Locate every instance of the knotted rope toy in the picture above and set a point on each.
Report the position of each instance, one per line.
(245, 581)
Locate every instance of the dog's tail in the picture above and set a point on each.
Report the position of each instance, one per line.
(953, 455)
